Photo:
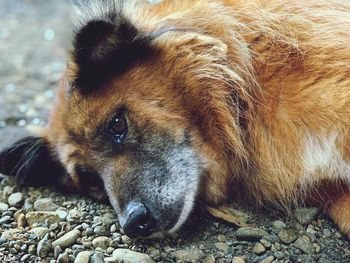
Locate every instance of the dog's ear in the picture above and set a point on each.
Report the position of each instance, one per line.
(32, 162)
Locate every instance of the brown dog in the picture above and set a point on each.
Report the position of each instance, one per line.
(207, 100)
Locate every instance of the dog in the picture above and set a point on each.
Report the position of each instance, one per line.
(162, 105)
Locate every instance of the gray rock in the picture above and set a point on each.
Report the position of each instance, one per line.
(101, 231)
(278, 226)
(221, 247)
(209, 259)
(303, 243)
(62, 213)
(83, 257)
(97, 258)
(15, 199)
(128, 256)
(41, 217)
(39, 232)
(287, 236)
(238, 260)
(63, 258)
(5, 219)
(305, 215)
(102, 242)
(327, 233)
(269, 259)
(250, 233)
(68, 239)
(189, 254)
(44, 247)
(259, 249)
(10, 234)
(3, 207)
(45, 204)
(57, 251)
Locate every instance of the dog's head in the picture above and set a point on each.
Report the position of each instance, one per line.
(143, 113)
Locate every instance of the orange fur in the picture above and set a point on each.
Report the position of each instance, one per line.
(264, 86)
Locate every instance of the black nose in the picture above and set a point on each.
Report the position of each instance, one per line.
(140, 221)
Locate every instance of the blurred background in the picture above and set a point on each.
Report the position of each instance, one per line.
(35, 36)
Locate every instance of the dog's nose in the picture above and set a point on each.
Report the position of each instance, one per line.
(140, 221)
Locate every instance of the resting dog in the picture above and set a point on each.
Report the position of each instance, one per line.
(162, 105)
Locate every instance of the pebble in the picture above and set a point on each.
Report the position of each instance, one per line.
(63, 258)
(45, 204)
(209, 259)
(62, 213)
(15, 199)
(21, 220)
(269, 259)
(5, 219)
(221, 246)
(83, 257)
(42, 217)
(303, 243)
(250, 233)
(101, 231)
(327, 233)
(128, 256)
(97, 258)
(305, 215)
(10, 234)
(259, 249)
(238, 260)
(102, 242)
(189, 254)
(39, 232)
(44, 247)
(57, 251)
(67, 239)
(3, 207)
(287, 236)
(278, 226)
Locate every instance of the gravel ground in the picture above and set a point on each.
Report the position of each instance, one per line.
(42, 225)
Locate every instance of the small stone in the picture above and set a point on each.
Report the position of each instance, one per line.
(278, 226)
(25, 257)
(305, 215)
(45, 204)
(238, 260)
(265, 243)
(269, 259)
(67, 239)
(303, 243)
(3, 207)
(63, 258)
(250, 233)
(287, 236)
(209, 259)
(10, 234)
(21, 220)
(327, 233)
(189, 254)
(126, 240)
(42, 217)
(31, 249)
(221, 246)
(5, 219)
(44, 247)
(221, 238)
(259, 249)
(57, 251)
(102, 242)
(62, 213)
(113, 228)
(126, 255)
(97, 258)
(101, 231)
(83, 257)
(110, 250)
(39, 232)
(15, 199)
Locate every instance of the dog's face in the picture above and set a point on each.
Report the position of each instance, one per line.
(132, 119)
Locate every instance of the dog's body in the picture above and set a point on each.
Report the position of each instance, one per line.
(203, 99)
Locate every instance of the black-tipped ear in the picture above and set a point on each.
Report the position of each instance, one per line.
(103, 48)
(32, 162)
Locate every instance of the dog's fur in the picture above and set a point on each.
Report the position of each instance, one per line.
(223, 98)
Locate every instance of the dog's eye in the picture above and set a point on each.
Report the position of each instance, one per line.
(118, 128)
